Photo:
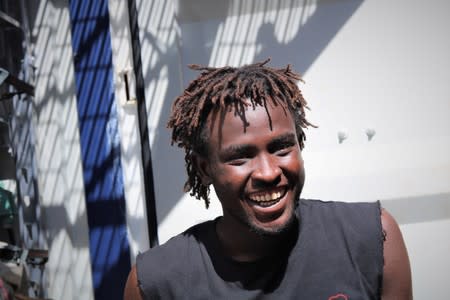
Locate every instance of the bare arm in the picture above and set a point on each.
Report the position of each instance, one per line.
(396, 273)
(132, 290)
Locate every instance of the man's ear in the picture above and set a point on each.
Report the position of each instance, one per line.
(203, 168)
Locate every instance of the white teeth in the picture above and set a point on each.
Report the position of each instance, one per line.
(267, 197)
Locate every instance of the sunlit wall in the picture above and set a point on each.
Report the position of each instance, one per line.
(58, 154)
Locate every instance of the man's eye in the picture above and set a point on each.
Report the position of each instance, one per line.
(283, 152)
(283, 149)
(237, 161)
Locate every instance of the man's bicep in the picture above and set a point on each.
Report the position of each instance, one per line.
(396, 271)
(132, 290)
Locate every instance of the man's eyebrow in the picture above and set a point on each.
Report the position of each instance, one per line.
(284, 138)
(236, 149)
(287, 138)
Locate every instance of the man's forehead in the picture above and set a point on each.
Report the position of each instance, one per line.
(243, 109)
(221, 117)
(237, 120)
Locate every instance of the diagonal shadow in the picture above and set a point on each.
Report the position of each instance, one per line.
(417, 209)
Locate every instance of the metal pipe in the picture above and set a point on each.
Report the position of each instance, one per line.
(143, 126)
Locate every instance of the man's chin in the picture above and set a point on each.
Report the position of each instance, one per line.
(274, 230)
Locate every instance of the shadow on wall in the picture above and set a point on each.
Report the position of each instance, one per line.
(63, 211)
(225, 33)
(417, 209)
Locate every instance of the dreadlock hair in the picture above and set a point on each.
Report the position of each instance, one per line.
(224, 89)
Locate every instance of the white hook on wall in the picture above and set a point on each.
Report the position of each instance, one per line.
(342, 136)
(370, 132)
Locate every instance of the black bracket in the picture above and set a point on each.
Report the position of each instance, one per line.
(20, 85)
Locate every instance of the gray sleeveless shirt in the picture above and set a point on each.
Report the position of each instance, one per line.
(335, 252)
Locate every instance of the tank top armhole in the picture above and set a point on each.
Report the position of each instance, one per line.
(382, 237)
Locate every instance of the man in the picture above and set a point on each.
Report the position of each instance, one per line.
(243, 131)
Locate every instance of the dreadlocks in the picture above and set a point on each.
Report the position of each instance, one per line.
(227, 88)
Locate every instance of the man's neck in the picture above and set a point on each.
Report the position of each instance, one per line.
(241, 243)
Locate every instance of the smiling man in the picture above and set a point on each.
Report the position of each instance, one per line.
(242, 130)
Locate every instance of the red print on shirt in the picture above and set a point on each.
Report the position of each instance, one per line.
(338, 297)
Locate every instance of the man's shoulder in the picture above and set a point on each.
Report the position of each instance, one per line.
(356, 221)
(173, 249)
(165, 267)
(339, 207)
(336, 215)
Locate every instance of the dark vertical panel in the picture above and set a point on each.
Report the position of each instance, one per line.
(100, 147)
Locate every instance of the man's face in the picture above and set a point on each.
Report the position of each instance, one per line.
(258, 172)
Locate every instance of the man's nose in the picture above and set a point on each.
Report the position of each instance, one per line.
(266, 170)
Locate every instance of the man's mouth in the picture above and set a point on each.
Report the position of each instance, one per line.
(267, 198)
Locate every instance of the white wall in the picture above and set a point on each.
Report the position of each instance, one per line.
(374, 64)
(60, 179)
